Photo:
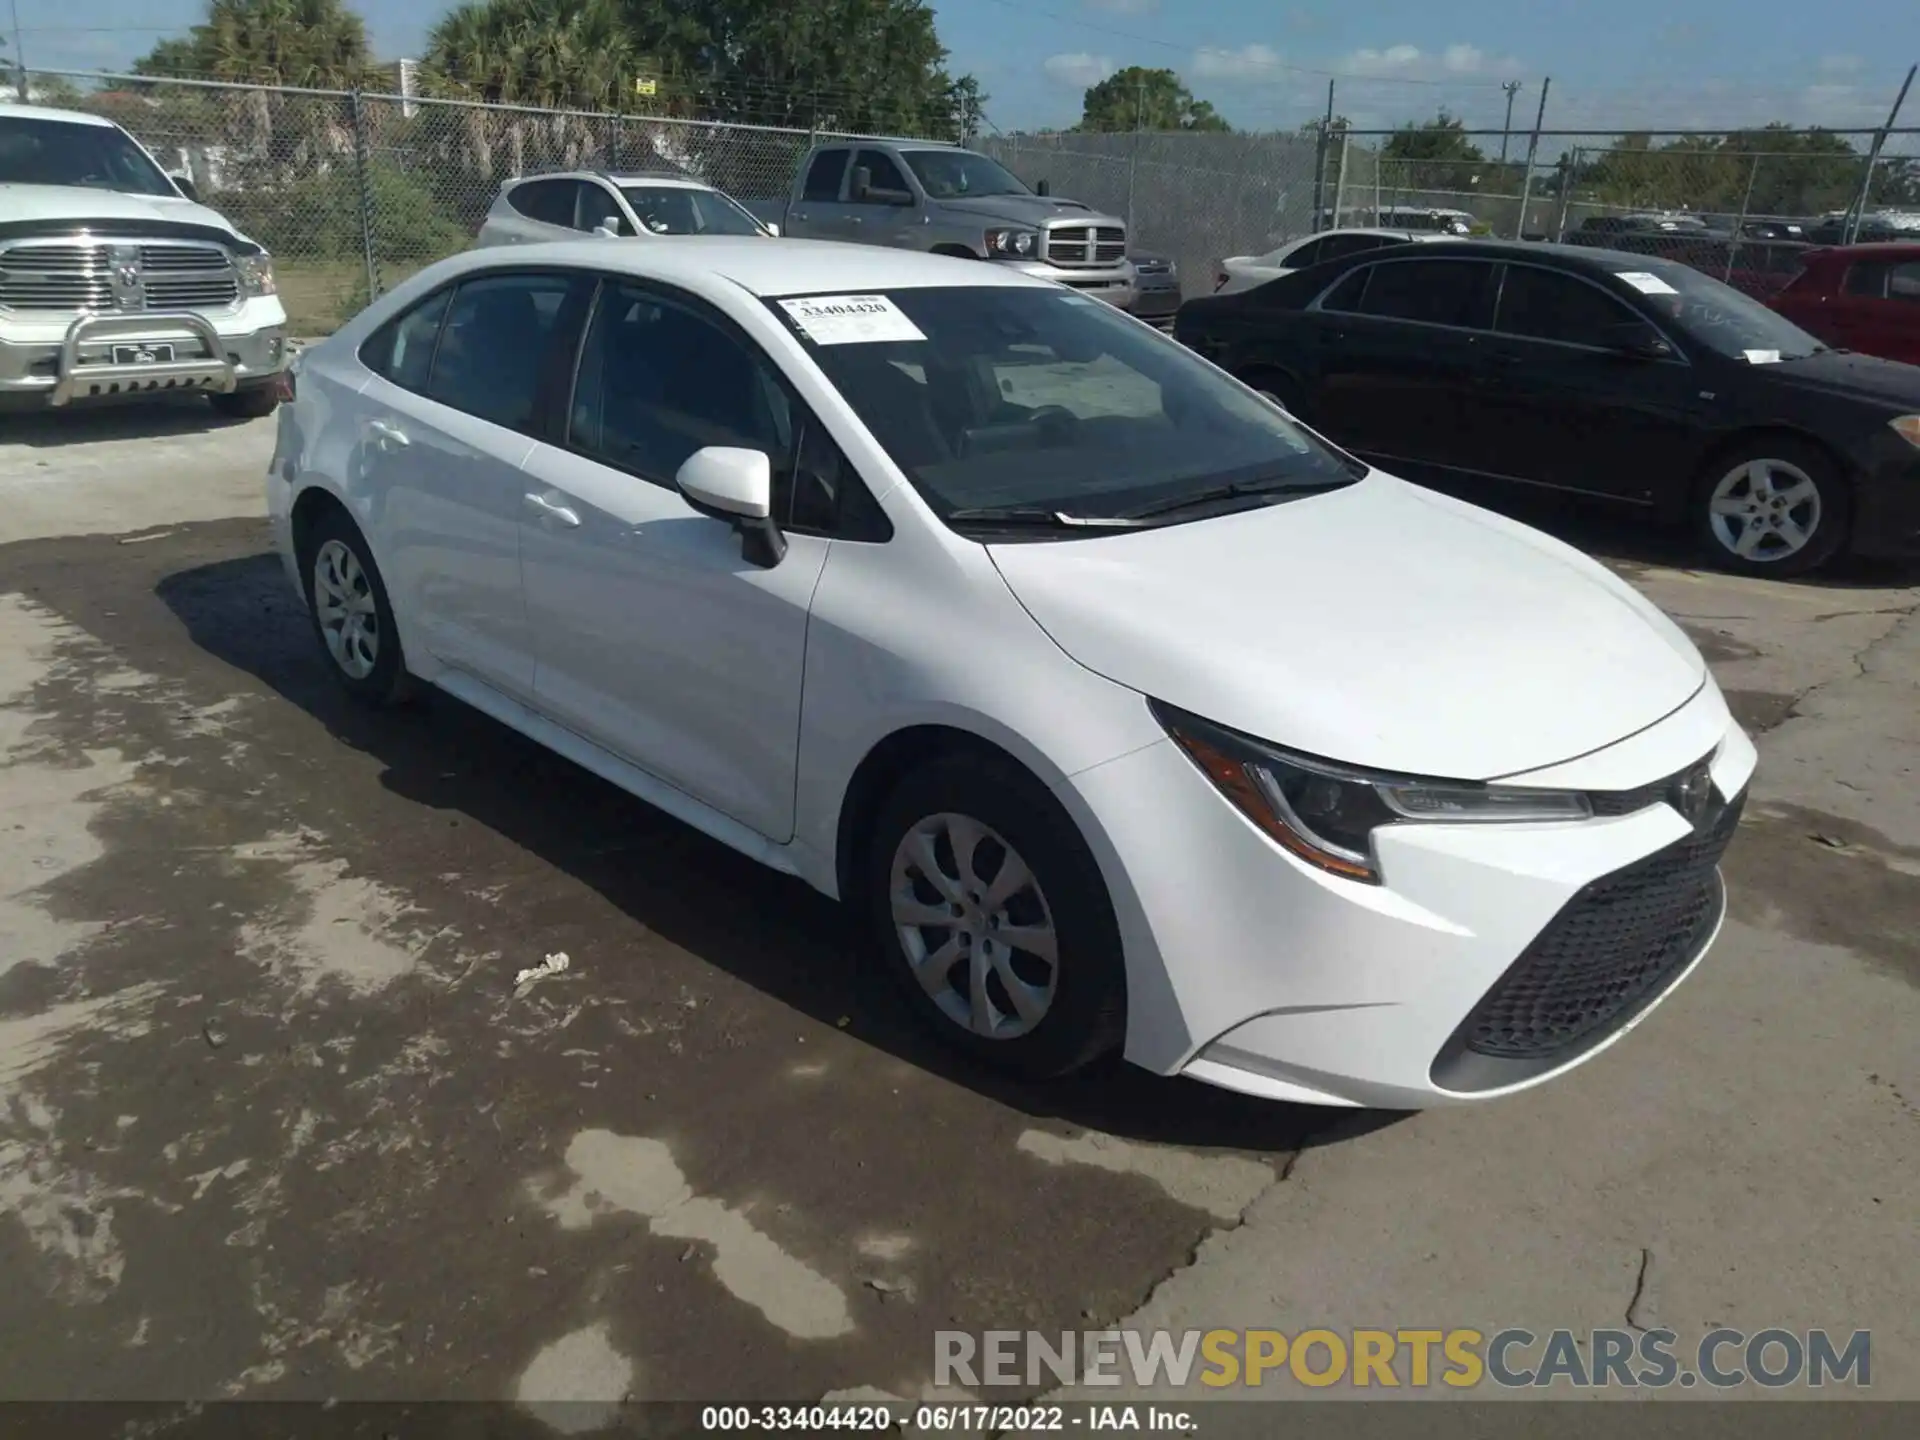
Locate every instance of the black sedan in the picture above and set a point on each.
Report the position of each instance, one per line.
(1621, 376)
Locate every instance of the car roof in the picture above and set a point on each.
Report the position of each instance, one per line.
(42, 112)
(758, 265)
(626, 177)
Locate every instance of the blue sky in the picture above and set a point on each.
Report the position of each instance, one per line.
(1264, 63)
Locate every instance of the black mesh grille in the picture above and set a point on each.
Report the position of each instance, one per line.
(1610, 948)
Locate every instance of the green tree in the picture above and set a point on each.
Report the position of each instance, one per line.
(1140, 99)
(1437, 154)
(870, 65)
(319, 44)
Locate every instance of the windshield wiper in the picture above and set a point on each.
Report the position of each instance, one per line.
(1037, 516)
(1240, 489)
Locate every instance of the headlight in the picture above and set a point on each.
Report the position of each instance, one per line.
(256, 274)
(1012, 242)
(1327, 814)
(1907, 427)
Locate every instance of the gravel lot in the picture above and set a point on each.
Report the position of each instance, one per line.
(273, 1123)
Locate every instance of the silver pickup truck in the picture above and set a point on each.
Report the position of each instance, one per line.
(921, 195)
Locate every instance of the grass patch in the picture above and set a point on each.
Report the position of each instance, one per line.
(322, 295)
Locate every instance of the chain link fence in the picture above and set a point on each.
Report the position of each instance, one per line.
(1192, 197)
(352, 192)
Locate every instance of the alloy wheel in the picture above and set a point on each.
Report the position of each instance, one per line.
(974, 927)
(1765, 510)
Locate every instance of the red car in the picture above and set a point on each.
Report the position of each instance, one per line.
(1864, 298)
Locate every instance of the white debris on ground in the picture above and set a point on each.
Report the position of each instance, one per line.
(554, 964)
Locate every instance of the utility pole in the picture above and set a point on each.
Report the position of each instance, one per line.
(1533, 149)
(1320, 165)
(19, 55)
(1512, 87)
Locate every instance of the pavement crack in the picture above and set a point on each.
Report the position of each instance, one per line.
(1639, 1290)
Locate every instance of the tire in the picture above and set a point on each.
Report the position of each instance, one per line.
(1075, 1005)
(254, 403)
(351, 615)
(1278, 387)
(1760, 495)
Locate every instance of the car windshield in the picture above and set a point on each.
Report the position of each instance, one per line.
(1041, 401)
(685, 210)
(1718, 316)
(959, 174)
(64, 152)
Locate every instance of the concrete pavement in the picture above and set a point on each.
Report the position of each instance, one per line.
(274, 1124)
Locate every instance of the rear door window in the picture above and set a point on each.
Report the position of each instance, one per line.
(1432, 292)
(548, 201)
(493, 350)
(402, 350)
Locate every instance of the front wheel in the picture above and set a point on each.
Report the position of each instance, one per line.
(1773, 506)
(991, 912)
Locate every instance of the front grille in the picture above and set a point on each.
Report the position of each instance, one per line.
(1642, 797)
(1610, 949)
(200, 292)
(1070, 245)
(121, 276)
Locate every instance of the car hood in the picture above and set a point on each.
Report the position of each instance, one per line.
(87, 202)
(1862, 377)
(1026, 209)
(1380, 625)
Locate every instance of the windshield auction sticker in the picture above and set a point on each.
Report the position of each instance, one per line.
(1645, 283)
(850, 319)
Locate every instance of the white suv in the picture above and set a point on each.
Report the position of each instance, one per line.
(566, 206)
(115, 281)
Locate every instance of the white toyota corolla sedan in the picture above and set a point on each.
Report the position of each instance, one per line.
(1128, 713)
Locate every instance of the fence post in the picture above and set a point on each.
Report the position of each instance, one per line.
(362, 174)
(1533, 149)
(1873, 159)
(1133, 156)
(1740, 225)
(1320, 165)
(1569, 171)
(1340, 185)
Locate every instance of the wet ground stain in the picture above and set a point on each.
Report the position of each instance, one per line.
(258, 1169)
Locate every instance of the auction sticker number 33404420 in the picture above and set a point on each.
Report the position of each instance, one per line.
(851, 319)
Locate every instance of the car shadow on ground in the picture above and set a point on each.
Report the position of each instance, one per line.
(771, 931)
(1632, 537)
(159, 418)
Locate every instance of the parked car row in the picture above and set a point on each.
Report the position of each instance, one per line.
(1603, 373)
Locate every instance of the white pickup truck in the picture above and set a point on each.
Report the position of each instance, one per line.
(114, 281)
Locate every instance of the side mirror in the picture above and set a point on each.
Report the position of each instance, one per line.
(184, 184)
(606, 231)
(862, 183)
(1639, 341)
(773, 230)
(736, 486)
(1043, 187)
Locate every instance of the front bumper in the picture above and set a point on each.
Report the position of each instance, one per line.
(59, 363)
(1886, 522)
(1156, 304)
(1115, 284)
(1253, 971)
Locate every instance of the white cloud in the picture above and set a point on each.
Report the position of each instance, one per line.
(1410, 62)
(1124, 7)
(1247, 62)
(1079, 69)
(1841, 64)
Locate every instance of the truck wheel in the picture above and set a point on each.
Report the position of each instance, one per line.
(252, 403)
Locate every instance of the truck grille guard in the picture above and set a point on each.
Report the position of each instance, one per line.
(210, 372)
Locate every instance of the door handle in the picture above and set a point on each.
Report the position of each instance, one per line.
(552, 509)
(387, 435)
(858, 220)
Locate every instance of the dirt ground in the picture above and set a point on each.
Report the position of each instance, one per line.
(274, 1123)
